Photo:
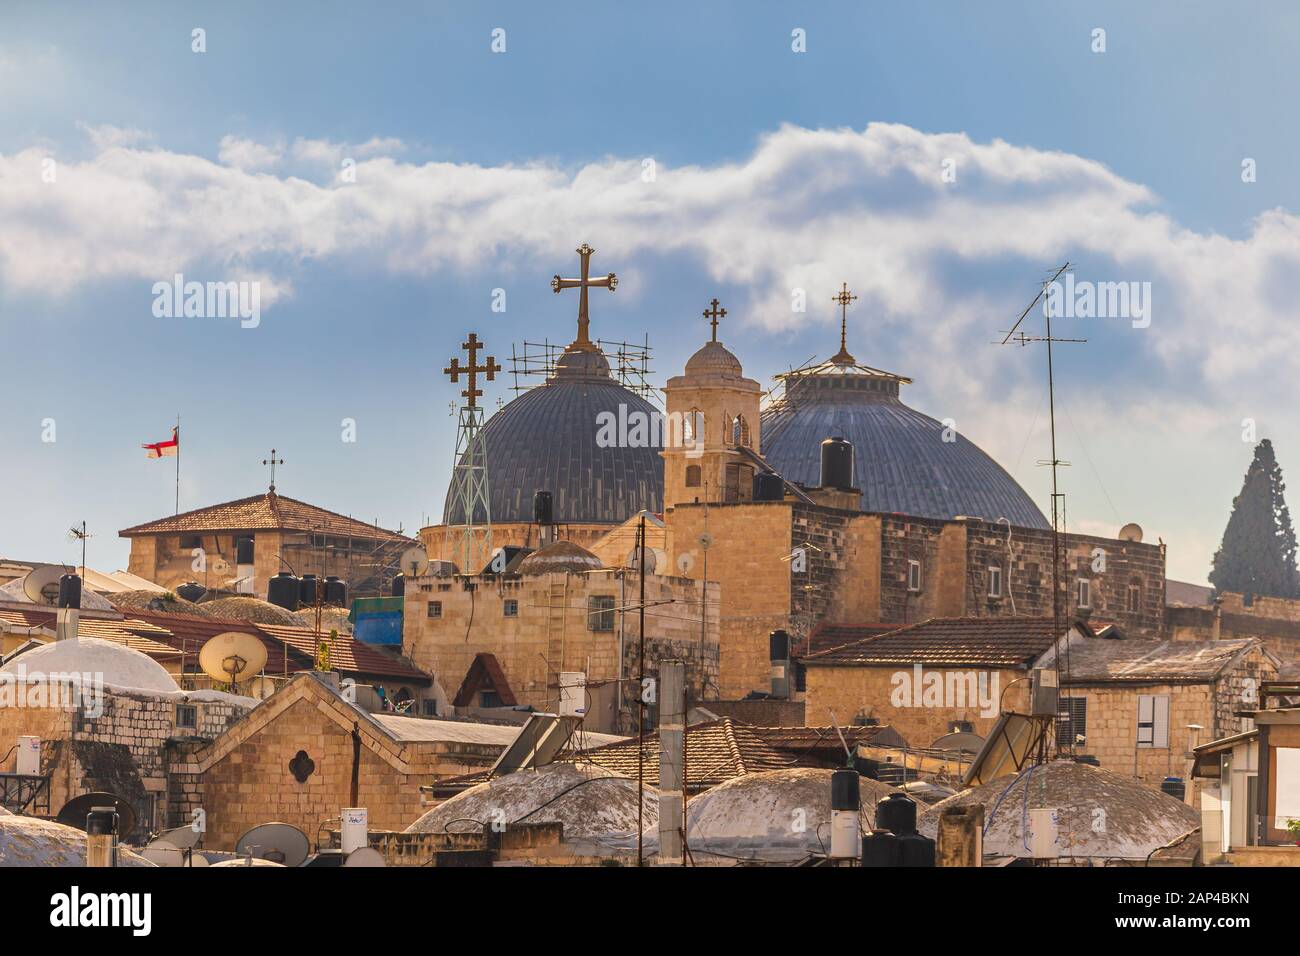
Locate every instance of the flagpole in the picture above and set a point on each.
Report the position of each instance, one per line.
(178, 463)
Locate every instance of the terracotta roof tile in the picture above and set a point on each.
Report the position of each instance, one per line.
(348, 654)
(132, 633)
(951, 642)
(265, 512)
(1150, 661)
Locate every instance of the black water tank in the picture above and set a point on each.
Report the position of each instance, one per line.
(336, 591)
(837, 463)
(897, 814)
(917, 850)
(543, 510)
(191, 591)
(1089, 759)
(1175, 787)
(778, 646)
(768, 487)
(881, 848)
(244, 551)
(70, 591)
(283, 591)
(307, 589)
(399, 585)
(844, 790)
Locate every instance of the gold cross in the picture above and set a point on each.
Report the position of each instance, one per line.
(610, 281)
(713, 315)
(273, 461)
(455, 369)
(843, 298)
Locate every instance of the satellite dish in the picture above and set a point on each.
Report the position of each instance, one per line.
(959, 743)
(415, 562)
(280, 843)
(246, 861)
(162, 853)
(261, 688)
(705, 539)
(183, 838)
(233, 656)
(1131, 532)
(41, 586)
(75, 811)
(198, 859)
(220, 566)
(365, 856)
(651, 559)
(685, 562)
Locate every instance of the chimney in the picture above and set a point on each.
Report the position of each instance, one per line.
(961, 836)
(101, 837)
(778, 643)
(672, 772)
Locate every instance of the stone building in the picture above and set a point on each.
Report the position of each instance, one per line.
(1135, 703)
(510, 636)
(285, 534)
(1232, 616)
(941, 676)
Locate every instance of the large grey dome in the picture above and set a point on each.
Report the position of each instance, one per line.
(901, 462)
(546, 440)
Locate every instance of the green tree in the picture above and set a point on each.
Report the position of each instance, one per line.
(1258, 553)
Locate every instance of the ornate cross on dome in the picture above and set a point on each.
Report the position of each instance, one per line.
(455, 369)
(582, 284)
(844, 297)
(713, 315)
(273, 461)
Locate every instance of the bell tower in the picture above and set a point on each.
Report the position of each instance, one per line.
(711, 441)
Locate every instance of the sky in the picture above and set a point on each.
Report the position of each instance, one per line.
(379, 174)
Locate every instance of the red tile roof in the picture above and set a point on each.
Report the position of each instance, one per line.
(134, 634)
(1007, 642)
(348, 654)
(265, 512)
(827, 636)
(188, 633)
(484, 668)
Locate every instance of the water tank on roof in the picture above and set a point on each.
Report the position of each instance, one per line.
(283, 591)
(336, 591)
(1174, 787)
(837, 463)
(768, 487)
(897, 814)
(307, 589)
(70, 591)
(399, 585)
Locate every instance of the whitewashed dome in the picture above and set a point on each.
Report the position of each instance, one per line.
(116, 665)
(27, 841)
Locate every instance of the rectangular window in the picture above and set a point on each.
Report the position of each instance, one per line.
(429, 707)
(995, 581)
(510, 608)
(435, 609)
(1083, 597)
(187, 716)
(189, 542)
(489, 698)
(1072, 723)
(1153, 721)
(914, 575)
(1135, 597)
(427, 588)
(600, 612)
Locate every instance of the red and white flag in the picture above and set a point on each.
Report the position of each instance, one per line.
(164, 449)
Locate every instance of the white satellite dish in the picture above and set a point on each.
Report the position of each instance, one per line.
(41, 586)
(651, 559)
(220, 566)
(414, 562)
(233, 656)
(705, 539)
(260, 688)
(162, 853)
(280, 843)
(365, 856)
(183, 838)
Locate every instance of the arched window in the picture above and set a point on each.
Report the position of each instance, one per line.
(740, 431)
(1135, 595)
(692, 476)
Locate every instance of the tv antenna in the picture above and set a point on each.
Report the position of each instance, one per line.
(1058, 497)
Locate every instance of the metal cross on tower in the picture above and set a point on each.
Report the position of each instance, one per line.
(843, 298)
(469, 481)
(583, 341)
(273, 461)
(713, 314)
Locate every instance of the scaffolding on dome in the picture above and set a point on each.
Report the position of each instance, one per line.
(629, 361)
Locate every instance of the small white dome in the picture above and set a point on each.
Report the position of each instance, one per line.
(714, 359)
(115, 664)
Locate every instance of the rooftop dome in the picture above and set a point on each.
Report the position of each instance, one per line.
(546, 440)
(117, 665)
(714, 359)
(560, 556)
(27, 841)
(589, 801)
(251, 609)
(902, 463)
(751, 816)
(1138, 819)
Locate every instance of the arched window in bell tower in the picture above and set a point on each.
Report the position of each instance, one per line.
(740, 431)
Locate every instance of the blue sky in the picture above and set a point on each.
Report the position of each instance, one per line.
(775, 170)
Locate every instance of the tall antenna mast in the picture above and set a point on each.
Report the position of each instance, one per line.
(1058, 497)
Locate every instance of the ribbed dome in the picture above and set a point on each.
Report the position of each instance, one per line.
(545, 440)
(560, 556)
(901, 462)
(714, 359)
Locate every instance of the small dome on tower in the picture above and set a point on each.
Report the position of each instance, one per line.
(714, 359)
(560, 556)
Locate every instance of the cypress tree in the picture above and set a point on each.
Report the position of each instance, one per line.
(1258, 553)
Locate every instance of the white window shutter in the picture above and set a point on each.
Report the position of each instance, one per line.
(1146, 720)
(1161, 730)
